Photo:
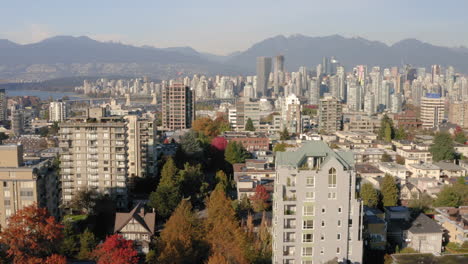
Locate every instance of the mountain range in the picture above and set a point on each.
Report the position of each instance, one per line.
(66, 56)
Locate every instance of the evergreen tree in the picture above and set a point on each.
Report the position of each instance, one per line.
(401, 133)
(369, 195)
(284, 135)
(169, 173)
(87, 244)
(165, 199)
(235, 153)
(223, 232)
(249, 126)
(69, 245)
(388, 133)
(383, 127)
(191, 146)
(389, 191)
(181, 238)
(190, 180)
(460, 137)
(442, 148)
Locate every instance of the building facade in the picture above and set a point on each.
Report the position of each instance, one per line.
(263, 74)
(3, 105)
(178, 107)
(432, 110)
(57, 111)
(458, 114)
(330, 114)
(316, 215)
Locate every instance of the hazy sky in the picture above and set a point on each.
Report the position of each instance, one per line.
(223, 26)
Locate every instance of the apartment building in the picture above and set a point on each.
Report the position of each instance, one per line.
(94, 156)
(246, 108)
(316, 215)
(57, 111)
(330, 114)
(25, 183)
(178, 107)
(458, 114)
(141, 146)
(432, 110)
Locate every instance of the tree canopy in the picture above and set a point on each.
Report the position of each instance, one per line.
(442, 148)
(249, 126)
(284, 135)
(389, 191)
(235, 152)
(116, 250)
(369, 195)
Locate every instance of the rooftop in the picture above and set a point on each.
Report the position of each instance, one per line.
(425, 166)
(450, 166)
(423, 224)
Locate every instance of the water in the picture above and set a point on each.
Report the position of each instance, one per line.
(43, 95)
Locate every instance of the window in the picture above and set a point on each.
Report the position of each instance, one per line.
(338, 236)
(308, 224)
(332, 178)
(5, 184)
(322, 237)
(307, 251)
(310, 181)
(307, 238)
(7, 202)
(307, 262)
(323, 210)
(322, 251)
(323, 223)
(337, 250)
(332, 195)
(6, 193)
(308, 210)
(310, 195)
(339, 210)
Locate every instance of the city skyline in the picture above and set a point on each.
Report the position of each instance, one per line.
(148, 23)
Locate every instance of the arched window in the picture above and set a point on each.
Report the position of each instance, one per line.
(332, 178)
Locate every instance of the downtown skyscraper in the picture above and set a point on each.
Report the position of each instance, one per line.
(263, 74)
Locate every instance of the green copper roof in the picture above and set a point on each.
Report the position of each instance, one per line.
(313, 149)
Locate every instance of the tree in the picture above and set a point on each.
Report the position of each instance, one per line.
(223, 232)
(222, 181)
(386, 158)
(54, 259)
(217, 259)
(442, 148)
(69, 245)
(279, 147)
(460, 137)
(260, 198)
(421, 204)
(261, 241)
(249, 126)
(219, 143)
(87, 244)
(169, 172)
(3, 136)
(235, 152)
(190, 180)
(284, 135)
(116, 250)
(448, 197)
(389, 191)
(165, 199)
(84, 201)
(400, 160)
(32, 235)
(388, 132)
(369, 195)
(401, 133)
(181, 238)
(190, 145)
(383, 128)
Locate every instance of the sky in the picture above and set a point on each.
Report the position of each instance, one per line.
(222, 26)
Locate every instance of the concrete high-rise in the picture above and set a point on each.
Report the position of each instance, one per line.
(316, 215)
(432, 110)
(458, 114)
(314, 91)
(354, 100)
(57, 111)
(291, 114)
(278, 69)
(263, 74)
(94, 155)
(3, 105)
(330, 114)
(178, 107)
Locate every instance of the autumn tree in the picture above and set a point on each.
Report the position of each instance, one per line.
(261, 241)
(181, 239)
(369, 195)
(389, 191)
(249, 126)
(260, 198)
(222, 181)
(223, 232)
(219, 143)
(400, 160)
(386, 158)
(217, 259)
(32, 236)
(116, 250)
(442, 148)
(235, 152)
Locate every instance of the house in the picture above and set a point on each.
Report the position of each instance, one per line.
(252, 173)
(455, 223)
(415, 155)
(424, 235)
(137, 226)
(396, 170)
(407, 192)
(372, 155)
(429, 185)
(365, 170)
(461, 149)
(450, 169)
(425, 170)
(375, 228)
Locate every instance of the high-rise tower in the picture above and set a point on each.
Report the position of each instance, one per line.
(263, 73)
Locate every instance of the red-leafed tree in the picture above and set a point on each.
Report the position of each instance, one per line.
(32, 236)
(56, 259)
(219, 143)
(260, 198)
(116, 250)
